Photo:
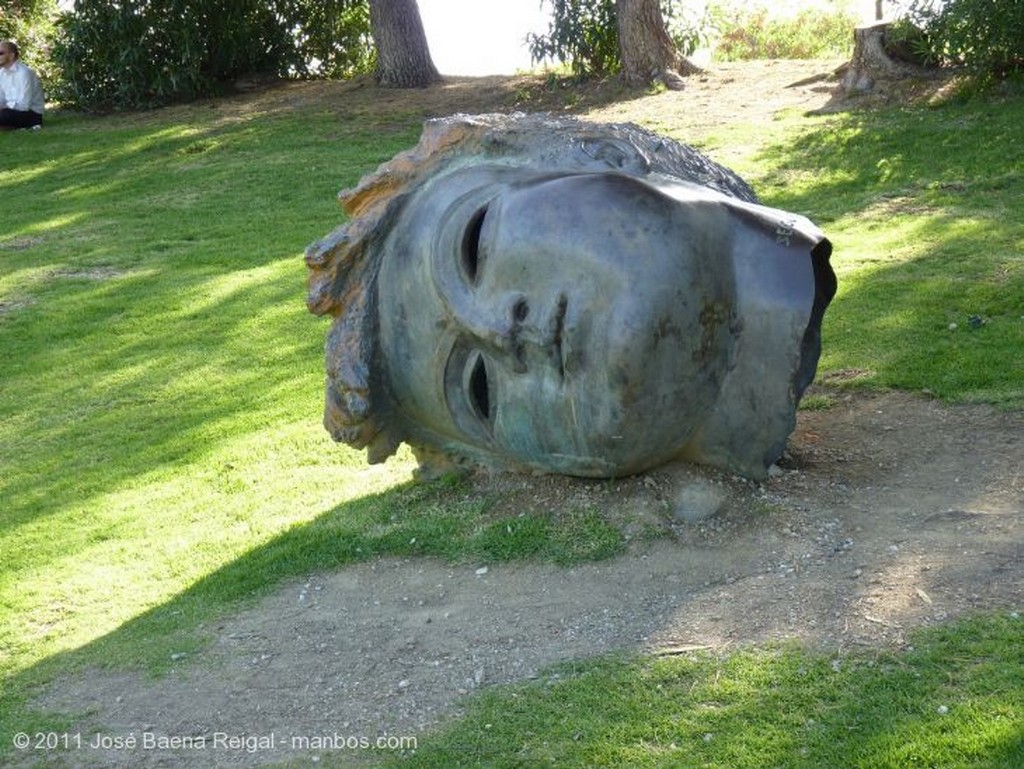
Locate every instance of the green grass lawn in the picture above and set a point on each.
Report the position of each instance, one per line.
(162, 459)
(956, 700)
(924, 208)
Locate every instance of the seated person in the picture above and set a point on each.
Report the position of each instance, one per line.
(21, 93)
(534, 293)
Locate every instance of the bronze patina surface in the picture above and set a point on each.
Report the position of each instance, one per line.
(526, 292)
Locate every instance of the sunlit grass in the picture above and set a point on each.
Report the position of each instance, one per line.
(161, 380)
(956, 699)
(928, 230)
(161, 385)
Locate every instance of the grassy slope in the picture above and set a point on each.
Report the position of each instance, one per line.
(161, 456)
(924, 208)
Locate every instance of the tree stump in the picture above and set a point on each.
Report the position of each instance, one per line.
(872, 61)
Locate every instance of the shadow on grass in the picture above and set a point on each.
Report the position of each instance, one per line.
(926, 210)
(430, 520)
(117, 379)
(158, 294)
(955, 700)
(143, 349)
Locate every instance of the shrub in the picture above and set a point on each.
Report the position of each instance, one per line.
(130, 54)
(985, 36)
(30, 24)
(752, 33)
(584, 35)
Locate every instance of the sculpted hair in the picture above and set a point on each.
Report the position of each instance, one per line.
(343, 266)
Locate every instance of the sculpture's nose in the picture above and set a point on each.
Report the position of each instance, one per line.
(510, 327)
(492, 323)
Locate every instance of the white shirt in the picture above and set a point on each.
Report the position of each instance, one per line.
(20, 89)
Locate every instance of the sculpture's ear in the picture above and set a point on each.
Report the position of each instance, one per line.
(605, 153)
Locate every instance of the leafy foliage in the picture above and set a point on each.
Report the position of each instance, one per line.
(687, 25)
(141, 53)
(30, 24)
(986, 36)
(582, 34)
(754, 33)
(16, 16)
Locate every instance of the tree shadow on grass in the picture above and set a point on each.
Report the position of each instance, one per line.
(863, 169)
(121, 378)
(150, 314)
(924, 209)
(435, 520)
(955, 700)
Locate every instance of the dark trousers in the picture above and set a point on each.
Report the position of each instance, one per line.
(16, 118)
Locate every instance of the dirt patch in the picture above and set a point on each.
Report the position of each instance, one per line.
(726, 93)
(889, 512)
(892, 512)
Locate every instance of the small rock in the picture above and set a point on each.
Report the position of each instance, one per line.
(699, 501)
(178, 656)
(481, 571)
(942, 710)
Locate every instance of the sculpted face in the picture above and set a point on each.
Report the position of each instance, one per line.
(575, 322)
(534, 292)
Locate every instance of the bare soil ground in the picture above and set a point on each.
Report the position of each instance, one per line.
(890, 512)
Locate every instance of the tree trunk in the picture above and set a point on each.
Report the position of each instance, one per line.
(872, 62)
(403, 57)
(646, 50)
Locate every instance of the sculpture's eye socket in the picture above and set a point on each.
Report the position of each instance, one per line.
(471, 258)
(477, 387)
(470, 389)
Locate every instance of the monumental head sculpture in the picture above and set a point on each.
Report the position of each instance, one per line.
(526, 292)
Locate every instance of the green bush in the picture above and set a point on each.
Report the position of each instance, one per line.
(30, 24)
(128, 54)
(752, 33)
(985, 36)
(689, 27)
(584, 35)
(19, 17)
